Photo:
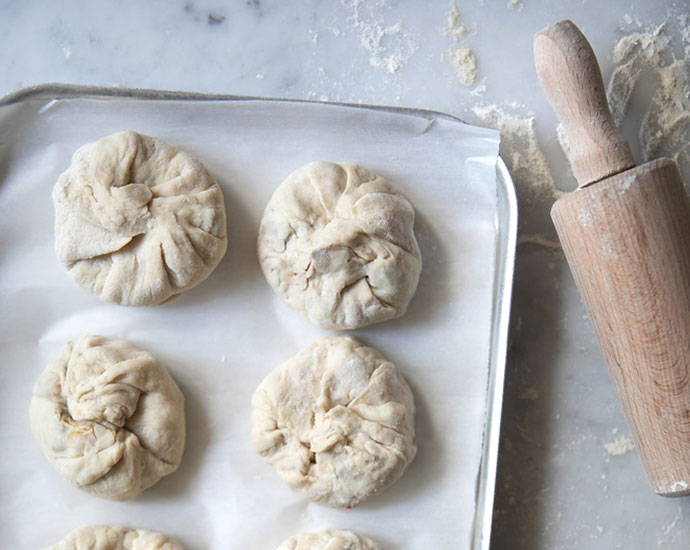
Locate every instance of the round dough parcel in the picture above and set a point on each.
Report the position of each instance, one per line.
(137, 221)
(109, 417)
(336, 421)
(109, 537)
(337, 243)
(329, 540)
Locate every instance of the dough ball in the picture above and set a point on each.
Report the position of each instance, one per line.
(337, 242)
(109, 417)
(329, 540)
(336, 421)
(138, 221)
(108, 537)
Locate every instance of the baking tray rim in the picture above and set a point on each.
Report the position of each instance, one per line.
(506, 225)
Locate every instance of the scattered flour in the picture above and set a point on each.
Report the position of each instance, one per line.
(454, 28)
(464, 63)
(388, 47)
(620, 446)
(684, 23)
(650, 55)
(515, 5)
(668, 533)
(461, 59)
(480, 89)
(633, 54)
(629, 20)
(520, 149)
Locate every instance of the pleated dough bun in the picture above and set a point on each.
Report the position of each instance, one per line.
(137, 221)
(108, 537)
(337, 243)
(109, 417)
(336, 422)
(329, 540)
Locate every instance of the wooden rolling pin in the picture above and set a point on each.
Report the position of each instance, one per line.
(626, 235)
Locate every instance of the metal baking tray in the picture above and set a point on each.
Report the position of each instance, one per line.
(505, 229)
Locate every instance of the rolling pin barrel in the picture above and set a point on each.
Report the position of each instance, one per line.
(627, 241)
(626, 236)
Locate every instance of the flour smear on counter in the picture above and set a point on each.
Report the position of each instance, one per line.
(649, 60)
(520, 148)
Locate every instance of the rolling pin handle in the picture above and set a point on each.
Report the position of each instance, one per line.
(570, 75)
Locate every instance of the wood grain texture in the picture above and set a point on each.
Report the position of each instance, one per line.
(627, 240)
(570, 75)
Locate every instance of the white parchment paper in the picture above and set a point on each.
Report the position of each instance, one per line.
(220, 339)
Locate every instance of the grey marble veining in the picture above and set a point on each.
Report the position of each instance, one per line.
(558, 486)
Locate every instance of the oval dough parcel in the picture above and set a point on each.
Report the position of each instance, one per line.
(137, 221)
(337, 243)
(109, 537)
(109, 417)
(329, 540)
(336, 422)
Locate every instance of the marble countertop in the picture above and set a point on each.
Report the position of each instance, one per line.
(567, 479)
